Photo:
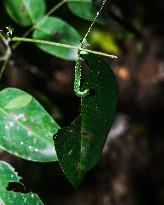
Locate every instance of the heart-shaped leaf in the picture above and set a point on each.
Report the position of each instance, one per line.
(26, 129)
(25, 12)
(55, 29)
(79, 145)
(8, 174)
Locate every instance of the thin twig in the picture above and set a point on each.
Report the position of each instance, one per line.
(29, 40)
(4, 66)
(6, 56)
(56, 7)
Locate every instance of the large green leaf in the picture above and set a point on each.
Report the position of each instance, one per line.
(79, 145)
(8, 174)
(25, 12)
(26, 129)
(55, 29)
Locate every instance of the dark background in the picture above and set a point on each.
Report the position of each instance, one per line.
(131, 169)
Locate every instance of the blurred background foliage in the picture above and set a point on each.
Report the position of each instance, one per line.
(131, 170)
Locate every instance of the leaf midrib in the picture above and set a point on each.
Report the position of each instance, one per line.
(28, 12)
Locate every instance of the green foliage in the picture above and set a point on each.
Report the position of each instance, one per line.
(8, 174)
(79, 146)
(25, 12)
(26, 128)
(29, 12)
(55, 29)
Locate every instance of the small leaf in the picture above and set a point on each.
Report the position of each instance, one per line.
(82, 9)
(25, 12)
(26, 128)
(79, 145)
(55, 29)
(8, 174)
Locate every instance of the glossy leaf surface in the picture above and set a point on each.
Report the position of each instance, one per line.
(25, 12)
(26, 129)
(57, 30)
(79, 145)
(7, 174)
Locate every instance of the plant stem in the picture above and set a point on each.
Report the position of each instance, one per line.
(15, 45)
(4, 65)
(56, 7)
(6, 56)
(29, 40)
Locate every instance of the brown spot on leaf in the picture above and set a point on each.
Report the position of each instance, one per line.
(56, 34)
(86, 134)
(80, 167)
(23, 8)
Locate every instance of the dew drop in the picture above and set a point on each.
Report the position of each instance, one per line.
(11, 124)
(69, 153)
(29, 133)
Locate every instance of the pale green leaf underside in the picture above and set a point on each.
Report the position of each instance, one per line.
(26, 129)
(18, 102)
